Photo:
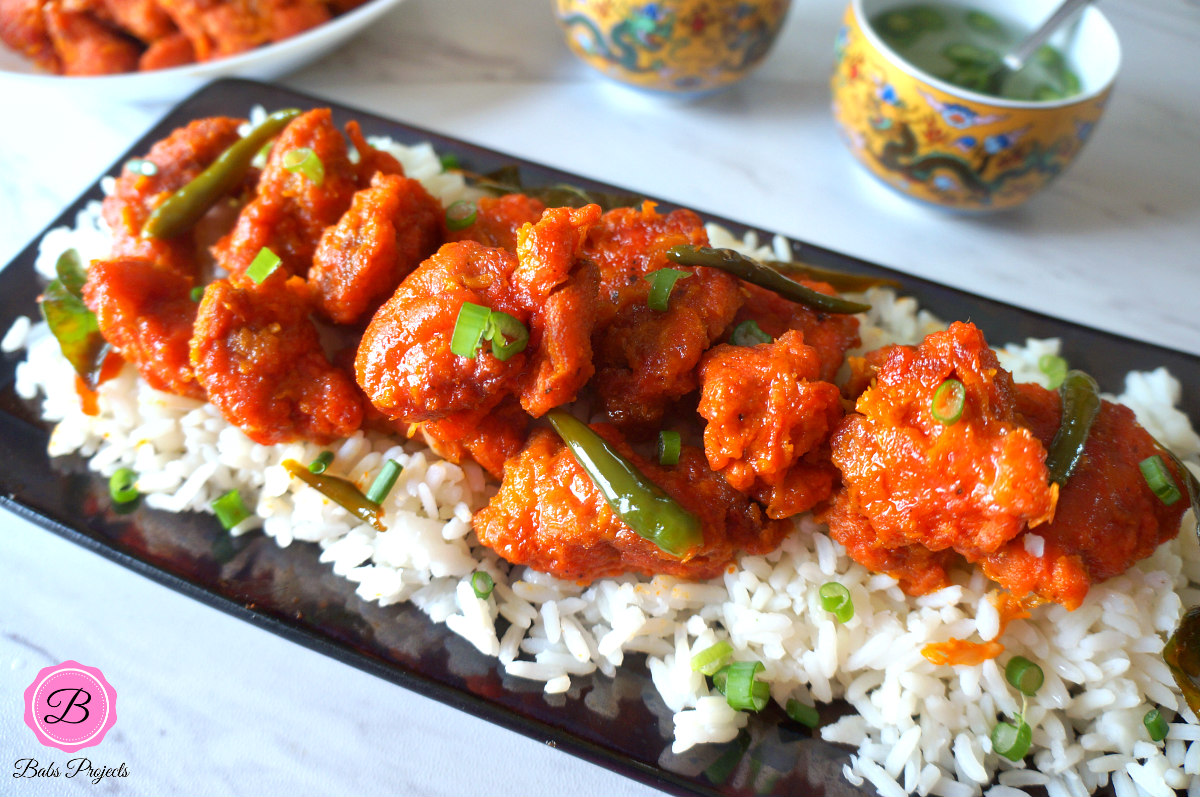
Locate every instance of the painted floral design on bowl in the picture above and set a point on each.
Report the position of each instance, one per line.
(679, 46)
(953, 150)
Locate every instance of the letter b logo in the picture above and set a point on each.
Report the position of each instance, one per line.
(70, 706)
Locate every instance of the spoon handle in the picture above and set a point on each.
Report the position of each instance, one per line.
(1016, 59)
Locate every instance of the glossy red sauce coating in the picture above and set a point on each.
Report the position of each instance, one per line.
(389, 229)
(647, 359)
(969, 486)
(831, 335)
(549, 515)
(257, 353)
(145, 310)
(769, 418)
(177, 159)
(405, 363)
(498, 219)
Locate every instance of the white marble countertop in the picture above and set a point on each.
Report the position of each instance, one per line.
(212, 705)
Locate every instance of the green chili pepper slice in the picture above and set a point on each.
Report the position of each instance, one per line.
(639, 502)
(1182, 655)
(1080, 405)
(763, 276)
(184, 208)
(838, 280)
(341, 491)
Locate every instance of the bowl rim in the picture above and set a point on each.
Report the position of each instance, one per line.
(979, 98)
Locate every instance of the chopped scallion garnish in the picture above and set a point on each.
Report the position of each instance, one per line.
(449, 162)
(230, 510)
(835, 599)
(122, 486)
(948, 402)
(468, 329)
(263, 265)
(736, 681)
(507, 334)
(1158, 478)
(303, 160)
(662, 282)
(384, 481)
(482, 584)
(197, 293)
(321, 463)
(802, 713)
(1024, 675)
(1156, 726)
(477, 323)
(1055, 369)
(669, 445)
(460, 215)
(713, 658)
(1012, 741)
(748, 333)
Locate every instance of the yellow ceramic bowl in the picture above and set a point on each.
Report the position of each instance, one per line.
(678, 46)
(955, 148)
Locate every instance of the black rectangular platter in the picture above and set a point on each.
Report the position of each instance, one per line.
(288, 592)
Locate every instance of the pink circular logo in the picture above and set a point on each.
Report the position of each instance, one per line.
(70, 706)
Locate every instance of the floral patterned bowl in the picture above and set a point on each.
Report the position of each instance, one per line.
(677, 46)
(956, 148)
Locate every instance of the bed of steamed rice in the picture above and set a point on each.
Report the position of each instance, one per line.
(918, 728)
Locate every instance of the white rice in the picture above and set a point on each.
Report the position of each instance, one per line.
(919, 728)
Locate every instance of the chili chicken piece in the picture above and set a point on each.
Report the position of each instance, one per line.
(405, 363)
(960, 475)
(769, 418)
(221, 29)
(146, 312)
(550, 516)
(258, 354)
(647, 359)
(831, 335)
(497, 220)
(389, 229)
(1107, 517)
(292, 210)
(176, 160)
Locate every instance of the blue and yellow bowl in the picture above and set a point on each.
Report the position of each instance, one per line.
(677, 46)
(955, 148)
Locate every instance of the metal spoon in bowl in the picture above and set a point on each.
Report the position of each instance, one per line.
(1015, 58)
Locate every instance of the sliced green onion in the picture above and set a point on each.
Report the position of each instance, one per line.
(321, 463)
(712, 659)
(749, 333)
(1158, 478)
(468, 329)
(449, 162)
(1156, 726)
(263, 265)
(197, 293)
(146, 168)
(669, 444)
(802, 713)
(1012, 741)
(460, 215)
(1055, 369)
(948, 402)
(230, 510)
(303, 160)
(1024, 675)
(835, 598)
(742, 692)
(662, 282)
(122, 486)
(384, 481)
(482, 584)
(507, 334)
